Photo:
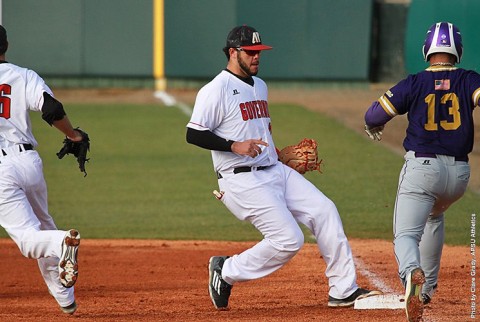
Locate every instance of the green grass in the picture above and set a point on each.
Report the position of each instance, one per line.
(145, 181)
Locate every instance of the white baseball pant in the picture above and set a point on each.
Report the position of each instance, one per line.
(274, 200)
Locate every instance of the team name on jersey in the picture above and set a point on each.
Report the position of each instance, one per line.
(254, 110)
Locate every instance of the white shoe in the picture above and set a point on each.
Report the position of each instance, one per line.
(67, 266)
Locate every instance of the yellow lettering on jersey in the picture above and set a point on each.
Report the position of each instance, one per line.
(431, 125)
(454, 110)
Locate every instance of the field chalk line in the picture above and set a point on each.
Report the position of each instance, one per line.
(372, 277)
(169, 100)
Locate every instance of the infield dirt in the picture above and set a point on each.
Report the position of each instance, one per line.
(155, 280)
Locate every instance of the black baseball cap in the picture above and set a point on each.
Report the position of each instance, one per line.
(3, 40)
(245, 37)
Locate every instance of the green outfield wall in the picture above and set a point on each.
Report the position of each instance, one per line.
(81, 37)
(423, 13)
(313, 40)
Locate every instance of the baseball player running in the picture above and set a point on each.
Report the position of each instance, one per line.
(439, 102)
(231, 118)
(23, 192)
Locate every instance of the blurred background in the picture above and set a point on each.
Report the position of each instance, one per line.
(178, 43)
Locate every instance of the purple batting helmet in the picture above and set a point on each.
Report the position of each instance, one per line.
(443, 37)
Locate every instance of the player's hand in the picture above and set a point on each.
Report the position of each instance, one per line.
(78, 136)
(374, 133)
(252, 147)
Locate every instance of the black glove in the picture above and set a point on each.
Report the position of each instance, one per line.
(78, 149)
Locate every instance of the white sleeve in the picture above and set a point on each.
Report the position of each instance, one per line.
(35, 87)
(208, 111)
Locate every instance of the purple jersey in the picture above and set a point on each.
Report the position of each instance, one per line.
(439, 102)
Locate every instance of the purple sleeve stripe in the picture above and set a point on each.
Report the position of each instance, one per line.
(387, 106)
(476, 97)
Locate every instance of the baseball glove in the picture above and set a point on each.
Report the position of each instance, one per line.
(302, 157)
(78, 149)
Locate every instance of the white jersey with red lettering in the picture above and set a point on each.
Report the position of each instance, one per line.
(270, 195)
(237, 111)
(21, 90)
(23, 191)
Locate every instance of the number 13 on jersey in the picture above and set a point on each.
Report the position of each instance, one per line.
(454, 110)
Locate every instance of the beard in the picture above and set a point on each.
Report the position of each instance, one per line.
(245, 68)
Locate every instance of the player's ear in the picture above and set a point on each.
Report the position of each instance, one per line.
(232, 50)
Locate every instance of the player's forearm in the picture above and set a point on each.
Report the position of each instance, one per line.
(376, 115)
(66, 128)
(208, 140)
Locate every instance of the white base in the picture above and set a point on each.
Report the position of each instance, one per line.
(385, 301)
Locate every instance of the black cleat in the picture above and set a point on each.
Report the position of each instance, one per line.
(219, 289)
(360, 293)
